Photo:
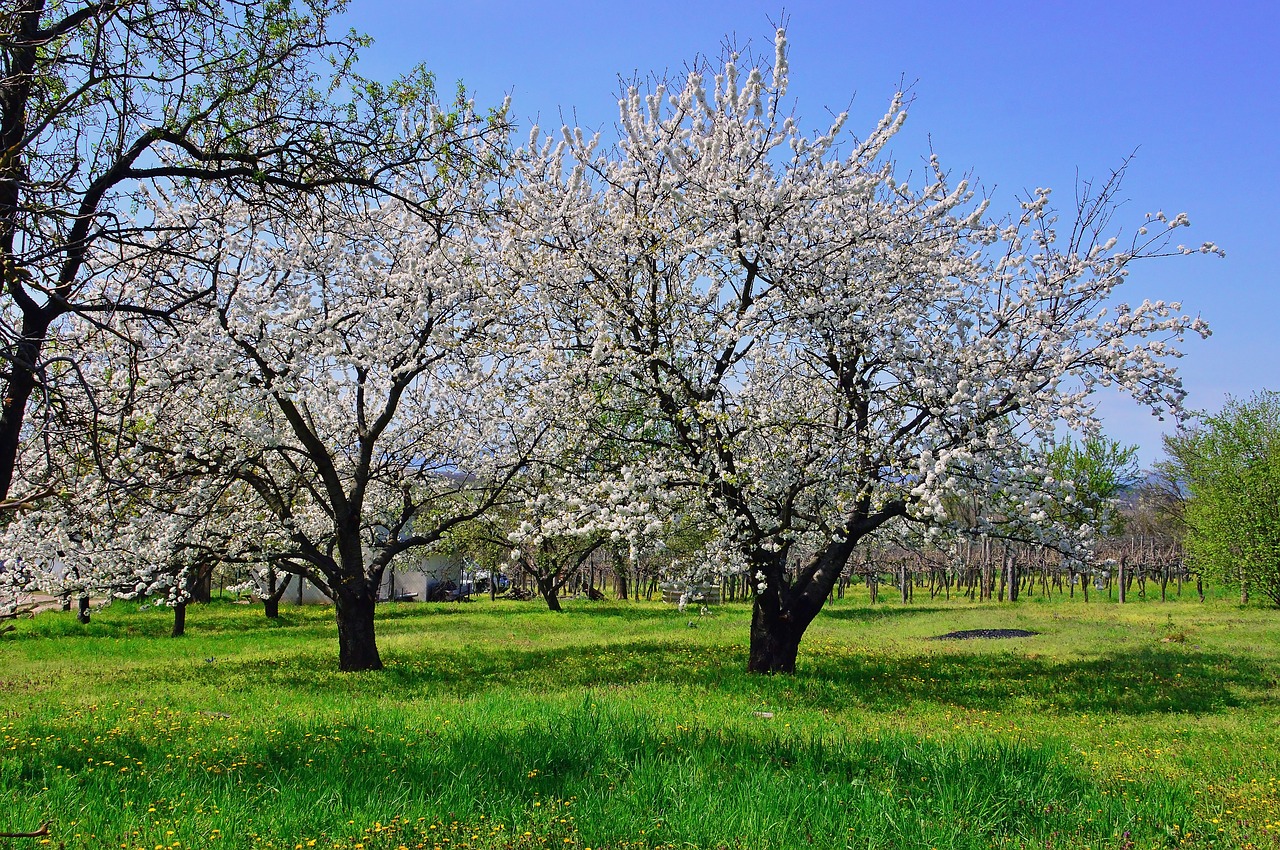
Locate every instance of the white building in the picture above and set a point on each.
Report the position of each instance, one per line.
(403, 580)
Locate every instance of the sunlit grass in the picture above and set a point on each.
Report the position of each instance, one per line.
(629, 725)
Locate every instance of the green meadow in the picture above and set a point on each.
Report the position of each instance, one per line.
(631, 725)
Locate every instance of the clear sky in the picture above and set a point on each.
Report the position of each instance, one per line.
(1019, 94)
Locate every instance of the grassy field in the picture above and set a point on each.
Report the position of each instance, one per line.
(629, 725)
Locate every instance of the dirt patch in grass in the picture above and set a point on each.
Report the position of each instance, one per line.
(970, 634)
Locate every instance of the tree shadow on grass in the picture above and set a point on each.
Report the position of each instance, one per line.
(1141, 681)
(580, 607)
(1138, 681)
(870, 614)
(697, 783)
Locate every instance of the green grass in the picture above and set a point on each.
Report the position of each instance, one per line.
(617, 725)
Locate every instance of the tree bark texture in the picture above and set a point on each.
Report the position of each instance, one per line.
(550, 593)
(357, 647)
(784, 608)
(275, 592)
(179, 619)
(775, 640)
(202, 587)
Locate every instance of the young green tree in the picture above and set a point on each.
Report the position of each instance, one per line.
(1098, 469)
(1230, 466)
(1094, 470)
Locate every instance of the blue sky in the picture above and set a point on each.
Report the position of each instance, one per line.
(1018, 94)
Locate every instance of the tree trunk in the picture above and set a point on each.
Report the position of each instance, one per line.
(783, 609)
(775, 640)
(988, 580)
(547, 588)
(19, 386)
(1123, 575)
(357, 647)
(179, 619)
(271, 601)
(83, 614)
(202, 588)
(620, 581)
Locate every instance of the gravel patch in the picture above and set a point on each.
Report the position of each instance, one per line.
(970, 634)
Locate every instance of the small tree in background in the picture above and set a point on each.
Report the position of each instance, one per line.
(1230, 466)
(1095, 470)
(1098, 469)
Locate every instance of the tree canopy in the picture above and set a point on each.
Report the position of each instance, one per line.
(343, 386)
(828, 347)
(1098, 469)
(108, 105)
(1230, 465)
(768, 338)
